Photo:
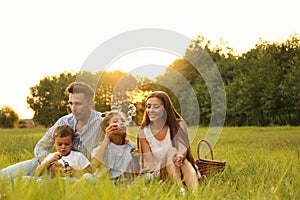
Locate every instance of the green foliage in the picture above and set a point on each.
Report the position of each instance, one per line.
(17, 144)
(8, 117)
(266, 85)
(138, 98)
(48, 100)
(181, 78)
(261, 163)
(262, 86)
(113, 88)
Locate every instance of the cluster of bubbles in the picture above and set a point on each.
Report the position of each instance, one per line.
(131, 111)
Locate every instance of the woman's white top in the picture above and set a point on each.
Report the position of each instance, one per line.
(159, 148)
(75, 159)
(118, 158)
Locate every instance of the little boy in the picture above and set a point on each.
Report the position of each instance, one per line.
(67, 162)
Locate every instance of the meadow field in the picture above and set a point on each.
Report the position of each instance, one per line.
(261, 163)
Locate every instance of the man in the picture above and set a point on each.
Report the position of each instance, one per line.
(85, 122)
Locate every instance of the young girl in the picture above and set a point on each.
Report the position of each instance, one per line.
(68, 162)
(116, 151)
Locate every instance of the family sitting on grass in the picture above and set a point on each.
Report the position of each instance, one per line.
(88, 141)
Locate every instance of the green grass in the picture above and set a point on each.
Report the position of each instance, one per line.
(261, 163)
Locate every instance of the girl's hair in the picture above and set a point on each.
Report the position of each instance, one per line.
(105, 120)
(106, 117)
(105, 123)
(173, 119)
(63, 131)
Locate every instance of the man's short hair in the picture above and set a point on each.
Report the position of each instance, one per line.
(82, 88)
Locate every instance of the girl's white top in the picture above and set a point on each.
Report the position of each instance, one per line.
(75, 159)
(159, 148)
(118, 158)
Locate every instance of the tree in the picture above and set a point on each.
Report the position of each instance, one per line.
(8, 117)
(184, 85)
(262, 86)
(196, 75)
(113, 89)
(48, 99)
(265, 87)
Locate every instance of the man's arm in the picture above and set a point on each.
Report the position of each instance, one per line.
(42, 148)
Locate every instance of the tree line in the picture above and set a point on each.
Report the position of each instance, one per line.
(262, 86)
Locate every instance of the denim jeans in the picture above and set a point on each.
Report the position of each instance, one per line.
(23, 168)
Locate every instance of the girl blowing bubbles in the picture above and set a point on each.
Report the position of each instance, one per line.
(115, 151)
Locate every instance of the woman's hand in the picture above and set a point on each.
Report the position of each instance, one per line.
(178, 160)
(144, 170)
(136, 153)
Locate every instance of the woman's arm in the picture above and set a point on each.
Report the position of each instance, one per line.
(147, 156)
(183, 140)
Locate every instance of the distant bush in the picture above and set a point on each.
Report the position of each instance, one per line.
(8, 117)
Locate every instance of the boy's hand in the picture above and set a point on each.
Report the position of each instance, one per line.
(56, 156)
(55, 168)
(69, 171)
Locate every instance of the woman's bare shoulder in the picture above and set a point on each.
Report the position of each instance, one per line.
(182, 122)
(141, 133)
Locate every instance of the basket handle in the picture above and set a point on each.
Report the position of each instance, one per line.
(209, 146)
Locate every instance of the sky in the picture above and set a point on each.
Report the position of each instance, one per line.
(45, 38)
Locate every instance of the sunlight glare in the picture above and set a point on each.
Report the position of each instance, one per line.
(144, 63)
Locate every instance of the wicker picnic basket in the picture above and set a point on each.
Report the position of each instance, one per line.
(208, 167)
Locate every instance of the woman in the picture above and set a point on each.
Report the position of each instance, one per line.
(164, 143)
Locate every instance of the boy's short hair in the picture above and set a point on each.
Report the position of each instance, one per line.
(63, 131)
